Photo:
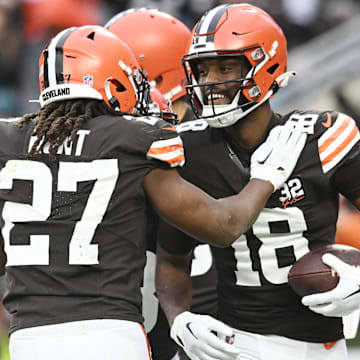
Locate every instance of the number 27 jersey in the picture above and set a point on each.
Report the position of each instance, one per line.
(74, 228)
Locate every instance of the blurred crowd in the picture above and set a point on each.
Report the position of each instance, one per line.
(26, 26)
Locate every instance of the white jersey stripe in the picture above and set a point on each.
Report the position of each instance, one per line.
(169, 150)
(341, 155)
(165, 143)
(337, 142)
(328, 133)
(167, 156)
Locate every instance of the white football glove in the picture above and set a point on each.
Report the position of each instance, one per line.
(276, 158)
(342, 300)
(193, 333)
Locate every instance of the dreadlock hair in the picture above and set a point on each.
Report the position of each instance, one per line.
(58, 121)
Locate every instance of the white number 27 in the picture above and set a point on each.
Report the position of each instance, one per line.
(81, 251)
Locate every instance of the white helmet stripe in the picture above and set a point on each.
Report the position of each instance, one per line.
(54, 58)
(204, 26)
(208, 24)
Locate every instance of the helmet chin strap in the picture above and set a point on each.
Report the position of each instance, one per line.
(209, 110)
(231, 117)
(114, 103)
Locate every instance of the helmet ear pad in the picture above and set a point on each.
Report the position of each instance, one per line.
(262, 73)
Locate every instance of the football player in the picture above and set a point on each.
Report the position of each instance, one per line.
(74, 180)
(236, 62)
(144, 30)
(162, 62)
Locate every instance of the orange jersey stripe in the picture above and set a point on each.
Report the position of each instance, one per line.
(176, 160)
(341, 147)
(335, 135)
(170, 151)
(164, 150)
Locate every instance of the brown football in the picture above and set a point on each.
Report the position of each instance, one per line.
(309, 275)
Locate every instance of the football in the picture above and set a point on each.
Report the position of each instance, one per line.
(309, 275)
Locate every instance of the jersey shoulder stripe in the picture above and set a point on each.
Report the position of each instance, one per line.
(337, 141)
(168, 150)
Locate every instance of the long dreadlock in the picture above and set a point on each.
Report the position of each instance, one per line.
(59, 121)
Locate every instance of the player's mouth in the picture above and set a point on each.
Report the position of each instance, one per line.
(217, 99)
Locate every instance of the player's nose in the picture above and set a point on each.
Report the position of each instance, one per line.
(212, 76)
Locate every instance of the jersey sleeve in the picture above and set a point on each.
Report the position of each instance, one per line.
(169, 150)
(157, 139)
(339, 143)
(339, 152)
(167, 145)
(343, 180)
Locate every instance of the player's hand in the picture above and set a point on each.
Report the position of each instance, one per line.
(193, 333)
(276, 158)
(342, 300)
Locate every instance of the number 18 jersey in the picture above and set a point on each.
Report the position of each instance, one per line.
(253, 293)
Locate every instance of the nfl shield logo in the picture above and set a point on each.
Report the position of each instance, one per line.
(230, 339)
(88, 80)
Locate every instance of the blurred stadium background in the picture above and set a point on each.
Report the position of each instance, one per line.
(323, 42)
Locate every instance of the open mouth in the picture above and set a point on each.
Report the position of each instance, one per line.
(216, 99)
